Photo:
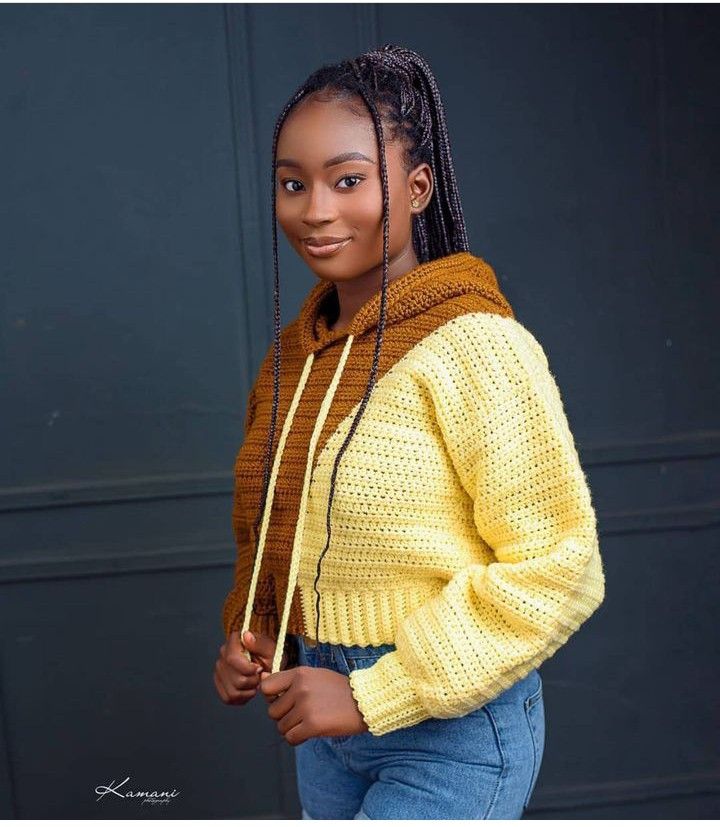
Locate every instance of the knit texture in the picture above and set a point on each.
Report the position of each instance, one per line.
(462, 524)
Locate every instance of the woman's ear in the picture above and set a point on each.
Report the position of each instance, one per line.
(420, 187)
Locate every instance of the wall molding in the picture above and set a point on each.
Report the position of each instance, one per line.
(669, 448)
(366, 26)
(697, 445)
(582, 796)
(70, 563)
(80, 493)
(250, 192)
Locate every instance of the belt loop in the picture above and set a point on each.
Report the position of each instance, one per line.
(338, 651)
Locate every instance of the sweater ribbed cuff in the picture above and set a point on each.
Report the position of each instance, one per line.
(385, 695)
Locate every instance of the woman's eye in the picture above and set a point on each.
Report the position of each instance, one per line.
(288, 184)
(351, 178)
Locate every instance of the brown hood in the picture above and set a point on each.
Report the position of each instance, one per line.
(415, 292)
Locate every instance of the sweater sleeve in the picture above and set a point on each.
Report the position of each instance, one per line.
(502, 421)
(264, 616)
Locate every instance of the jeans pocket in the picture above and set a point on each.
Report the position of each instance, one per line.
(535, 716)
(362, 661)
(358, 657)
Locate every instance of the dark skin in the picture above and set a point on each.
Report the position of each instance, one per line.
(343, 200)
(305, 701)
(346, 199)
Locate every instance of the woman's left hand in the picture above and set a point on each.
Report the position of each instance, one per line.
(314, 702)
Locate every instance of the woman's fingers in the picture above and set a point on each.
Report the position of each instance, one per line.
(222, 692)
(281, 705)
(236, 676)
(229, 693)
(239, 662)
(288, 721)
(234, 680)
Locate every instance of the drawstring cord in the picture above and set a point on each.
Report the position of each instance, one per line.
(297, 542)
(271, 492)
(299, 529)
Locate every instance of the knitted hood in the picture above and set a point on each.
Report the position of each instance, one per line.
(418, 302)
(415, 292)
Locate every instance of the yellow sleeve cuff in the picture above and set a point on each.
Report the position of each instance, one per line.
(385, 696)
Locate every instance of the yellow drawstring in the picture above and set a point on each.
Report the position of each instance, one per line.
(297, 541)
(271, 492)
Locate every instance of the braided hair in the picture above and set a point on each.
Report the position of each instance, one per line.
(398, 88)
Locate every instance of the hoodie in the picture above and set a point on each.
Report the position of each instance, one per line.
(461, 530)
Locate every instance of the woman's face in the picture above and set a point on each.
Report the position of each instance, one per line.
(320, 193)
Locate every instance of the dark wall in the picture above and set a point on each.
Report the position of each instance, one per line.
(136, 280)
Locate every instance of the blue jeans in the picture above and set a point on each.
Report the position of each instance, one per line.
(483, 765)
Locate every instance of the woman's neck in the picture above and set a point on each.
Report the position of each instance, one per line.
(349, 296)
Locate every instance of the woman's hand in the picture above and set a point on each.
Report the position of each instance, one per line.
(309, 701)
(236, 676)
(262, 649)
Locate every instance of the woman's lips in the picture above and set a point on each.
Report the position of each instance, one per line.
(326, 249)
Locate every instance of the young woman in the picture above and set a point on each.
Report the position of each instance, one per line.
(421, 537)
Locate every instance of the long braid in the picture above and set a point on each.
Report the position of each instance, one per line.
(276, 342)
(399, 82)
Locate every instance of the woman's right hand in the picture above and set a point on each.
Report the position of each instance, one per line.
(236, 677)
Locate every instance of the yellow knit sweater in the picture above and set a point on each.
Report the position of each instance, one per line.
(462, 527)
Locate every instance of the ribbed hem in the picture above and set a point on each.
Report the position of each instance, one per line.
(362, 618)
(385, 696)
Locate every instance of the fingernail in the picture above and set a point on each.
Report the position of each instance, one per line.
(258, 670)
(249, 636)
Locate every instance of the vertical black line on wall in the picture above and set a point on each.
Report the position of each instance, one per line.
(8, 800)
(251, 216)
(664, 244)
(366, 26)
(660, 67)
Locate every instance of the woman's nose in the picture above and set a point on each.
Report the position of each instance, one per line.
(320, 206)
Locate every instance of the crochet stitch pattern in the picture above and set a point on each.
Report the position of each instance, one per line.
(462, 525)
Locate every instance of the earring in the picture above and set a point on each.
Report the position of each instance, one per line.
(415, 202)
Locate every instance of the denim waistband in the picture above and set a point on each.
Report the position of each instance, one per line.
(337, 656)
(356, 651)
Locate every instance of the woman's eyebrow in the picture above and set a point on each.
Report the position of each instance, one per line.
(338, 159)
